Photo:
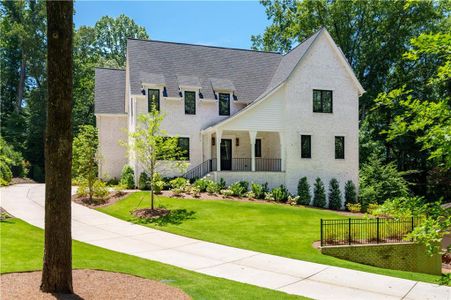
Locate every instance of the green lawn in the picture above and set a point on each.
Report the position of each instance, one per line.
(264, 227)
(22, 250)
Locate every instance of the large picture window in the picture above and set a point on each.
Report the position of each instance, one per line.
(183, 144)
(190, 103)
(322, 101)
(258, 148)
(306, 146)
(224, 104)
(339, 147)
(153, 99)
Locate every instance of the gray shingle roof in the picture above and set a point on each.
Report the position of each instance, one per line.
(109, 91)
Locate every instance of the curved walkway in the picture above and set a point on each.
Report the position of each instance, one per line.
(26, 201)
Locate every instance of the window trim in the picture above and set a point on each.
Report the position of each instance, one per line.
(309, 154)
(258, 154)
(338, 137)
(219, 104)
(195, 100)
(322, 93)
(158, 105)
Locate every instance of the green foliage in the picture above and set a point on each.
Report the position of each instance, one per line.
(100, 190)
(158, 186)
(202, 184)
(12, 159)
(280, 193)
(259, 190)
(350, 193)
(214, 187)
(5, 174)
(222, 183)
(354, 207)
(304, 192)
(127, 177)
(319, 193)
(379, 182)
(237, 189)
(335, 199)
(245, 185)
(178, 183)
(228, 192)
(144, 182)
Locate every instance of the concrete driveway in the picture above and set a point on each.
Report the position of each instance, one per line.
(26, 201)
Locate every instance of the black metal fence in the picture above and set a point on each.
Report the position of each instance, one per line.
(365, 231)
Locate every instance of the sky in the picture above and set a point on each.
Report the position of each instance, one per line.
(214, 23)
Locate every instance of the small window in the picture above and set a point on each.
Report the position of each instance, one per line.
(339, 147)
(224, 104)
(190, 103)
(258, 148)
(153, 99)
(322, 101)
(306, 146)
(183, 144)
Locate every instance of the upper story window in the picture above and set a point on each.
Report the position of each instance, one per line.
(258, 148)
(322, 101)
(339, 147)
(190, 103)
(306, 146)
(153, 99)
(224, 104)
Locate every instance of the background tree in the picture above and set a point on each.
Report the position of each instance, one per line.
(304, 192)
(85, 157)
(319, 194)
(57, 269)
(154, 150)
(350, 193)
(335, 198)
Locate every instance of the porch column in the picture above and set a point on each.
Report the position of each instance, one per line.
(218, 149)
(207, 145)
(252, 136)
(282, 150)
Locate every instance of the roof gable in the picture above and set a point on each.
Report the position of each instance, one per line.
(109, 91)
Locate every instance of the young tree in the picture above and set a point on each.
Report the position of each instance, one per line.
(154, 150)
(85, 156)
(334, 194)
(350, 193)
(57, 267)
(304, 191)
(319, 194)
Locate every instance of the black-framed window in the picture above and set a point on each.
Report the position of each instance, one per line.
(322, 101)
(153, 98)
(258, 148)
(339, 147)
(306, 146)
(183, 144)
(190, 103)
(224, 104)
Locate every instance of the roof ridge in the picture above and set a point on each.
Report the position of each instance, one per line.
(305, 39)
(111, 69)
(207, 46)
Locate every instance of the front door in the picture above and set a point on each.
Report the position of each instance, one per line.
(226, 154)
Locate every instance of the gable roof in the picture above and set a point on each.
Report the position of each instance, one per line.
(109, 91)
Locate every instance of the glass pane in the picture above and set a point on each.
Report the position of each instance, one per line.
(258, 148)
(224, 104)
(317, 101)
(339, 147)
(327, 101)
(153, 99)
(190, 103)
(306, 148)
(183, 144)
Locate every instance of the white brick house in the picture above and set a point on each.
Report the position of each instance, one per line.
(269, 117)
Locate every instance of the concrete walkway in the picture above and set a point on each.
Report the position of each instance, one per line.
(278, 273)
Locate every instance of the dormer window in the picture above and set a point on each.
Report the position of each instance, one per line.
(190, 103)
(224, 104)
(153, 99)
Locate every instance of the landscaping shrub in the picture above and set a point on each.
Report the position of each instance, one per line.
(334, 194)
(195, 191)
(213, 187)
(259, 190)
(158, 186)
(127, 177)
(99, 189)
(292, 200)
(350, 193)
(354, 207)
(5, 173)
(245, 185)
(222, 183)
(237, 189)
(112, 181)
(144, 181)
(82, 190)
(13, 161)
(178, 183)
(202, 184)
(176, 191)
(280, 193)
(250, 195)
(372, 208)
(269, 196)
(319, 194)
(227, 193)
(304, 192)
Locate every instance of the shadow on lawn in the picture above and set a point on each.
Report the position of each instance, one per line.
(175, 217)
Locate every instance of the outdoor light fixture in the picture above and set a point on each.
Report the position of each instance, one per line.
(143, 91)
(237, 142)
(213, 141)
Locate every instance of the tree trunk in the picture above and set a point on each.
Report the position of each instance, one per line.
(21, 86)
(57, 268)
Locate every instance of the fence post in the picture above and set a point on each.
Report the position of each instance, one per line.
(349, 231)
(321, 232)
(412, 224)
(377, 230)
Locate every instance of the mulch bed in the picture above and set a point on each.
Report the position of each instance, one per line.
(112, 198)
(89, 284)
(147, 213)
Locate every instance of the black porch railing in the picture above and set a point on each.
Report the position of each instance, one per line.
(268, 164)
(365, 231)
(201, 170)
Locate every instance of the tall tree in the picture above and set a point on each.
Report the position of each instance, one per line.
(57, 269)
